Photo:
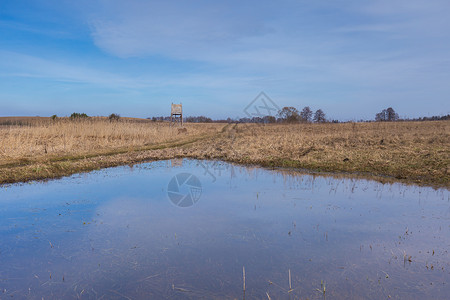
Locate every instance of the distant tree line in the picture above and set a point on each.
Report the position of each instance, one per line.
(80, 116)
(198, 119)
(287, 114)
(433, 118)
(389, 115)
(290, 114)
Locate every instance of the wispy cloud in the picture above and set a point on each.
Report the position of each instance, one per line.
(15, 64)
(24, 65)
(172, 28)
(270, 40)
(336, 54)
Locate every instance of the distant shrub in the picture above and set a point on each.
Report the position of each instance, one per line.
(54, 117)
(79, 116)
(114, 117)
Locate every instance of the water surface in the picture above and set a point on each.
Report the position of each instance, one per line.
(116, 234)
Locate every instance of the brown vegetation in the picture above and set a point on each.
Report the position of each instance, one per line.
(413, 151)
(409, 151)
(64, 137)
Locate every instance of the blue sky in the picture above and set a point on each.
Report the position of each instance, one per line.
(349, 58)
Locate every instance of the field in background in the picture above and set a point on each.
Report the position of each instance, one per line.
(416, 152)
(40, 139)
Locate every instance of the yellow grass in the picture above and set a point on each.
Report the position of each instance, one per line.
(416, 152)
(404, 150)
(63, 137)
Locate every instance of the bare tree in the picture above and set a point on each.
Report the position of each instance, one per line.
(388, 114)
(391, 114)
(289, 114)
(381, 116)
(306, 114)
(319, 116)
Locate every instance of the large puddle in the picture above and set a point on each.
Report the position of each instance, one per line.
(139, 232)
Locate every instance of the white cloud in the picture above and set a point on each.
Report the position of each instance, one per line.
(285, 37)
(323, 51)
(13, 64)
(171, 28)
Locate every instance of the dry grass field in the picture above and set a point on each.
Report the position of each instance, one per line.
(43, 139)
(416, 152)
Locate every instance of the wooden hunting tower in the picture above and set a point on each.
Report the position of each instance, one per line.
(176, 114)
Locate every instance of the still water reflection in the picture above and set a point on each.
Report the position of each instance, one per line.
(117, 234)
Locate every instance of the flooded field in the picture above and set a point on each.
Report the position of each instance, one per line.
(200, 229)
